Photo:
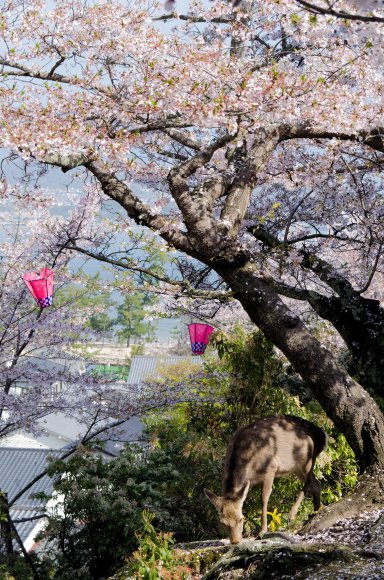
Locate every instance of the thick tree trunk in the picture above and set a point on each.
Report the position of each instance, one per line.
(360, 321)
(346, 403)
(215, 243)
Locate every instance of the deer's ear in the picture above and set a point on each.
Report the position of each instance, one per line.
(242, 493)
(215, 499)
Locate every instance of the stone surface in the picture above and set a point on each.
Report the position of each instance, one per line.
(352, 548)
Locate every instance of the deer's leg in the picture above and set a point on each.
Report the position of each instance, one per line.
(265, 493)
(313, 486)
(294, 509)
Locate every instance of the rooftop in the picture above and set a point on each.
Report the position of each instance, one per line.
(145, 368)
(18, 468)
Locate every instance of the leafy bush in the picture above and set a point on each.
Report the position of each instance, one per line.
(154, 559)
(15, 567)
(94, 527)
(101, 511)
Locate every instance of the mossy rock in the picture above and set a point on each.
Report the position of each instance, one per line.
(201, 556)
(277, 558)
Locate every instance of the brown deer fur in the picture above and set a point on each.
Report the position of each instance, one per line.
(272, 446)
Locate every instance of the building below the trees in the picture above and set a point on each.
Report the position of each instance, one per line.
(147, 368)
(18, 468)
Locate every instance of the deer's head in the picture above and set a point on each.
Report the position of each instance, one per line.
(230, 512)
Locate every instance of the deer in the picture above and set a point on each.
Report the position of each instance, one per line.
(272, 446)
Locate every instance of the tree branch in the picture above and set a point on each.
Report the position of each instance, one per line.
(186, 289)
(193, 211)
(167, 125)
(318, 235)
(26, 555)
(123, 264)
(184, 138)
(83, 441)
(373, 270)
(188, 168)
(140, 212)
(56, 65)
(25, 71)
(191, 18)
(237, 200)
(66, 161)
(338, 14)
(325, 271)
(373, 138)
(290, 291)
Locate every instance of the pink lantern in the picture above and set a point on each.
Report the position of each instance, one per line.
(199, 335)
(40, 286)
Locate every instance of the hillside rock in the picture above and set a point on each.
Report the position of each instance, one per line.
(352, 548)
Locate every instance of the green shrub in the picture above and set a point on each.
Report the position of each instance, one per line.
(154, 559)
(95, 526)
(103, 503)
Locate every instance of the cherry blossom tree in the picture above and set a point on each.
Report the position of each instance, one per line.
(249, 139)
(36, 354)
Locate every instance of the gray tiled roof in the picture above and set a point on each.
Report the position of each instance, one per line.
(17, 468)
(24, 529)
(144, 368)
(49, 363)
(69, 429)
(129, 432)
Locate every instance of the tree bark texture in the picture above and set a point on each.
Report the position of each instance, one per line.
(359, 320)
(344, 400)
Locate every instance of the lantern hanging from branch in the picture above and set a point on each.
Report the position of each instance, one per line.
(40, 286)
(199, 335)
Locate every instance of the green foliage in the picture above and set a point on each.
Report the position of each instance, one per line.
(250, 379)
(131, 316)
(137, 349)
(103, 503)
(92, 303)
(153, 552)
(275, 520)
(337, 468)
(95, 526)
(103, 313)
(154, 559)
(255, 375)
(88, 293)
(176, 333)
(10, 570)
(117, 372)
(16, 568)
(100, 322)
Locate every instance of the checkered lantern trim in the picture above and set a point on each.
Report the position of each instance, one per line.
(44, 302)
(198, 347)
